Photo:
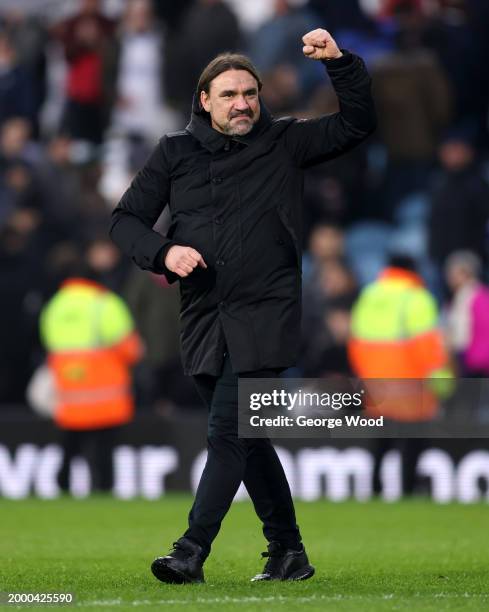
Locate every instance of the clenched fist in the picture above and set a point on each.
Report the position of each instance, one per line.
(182, 260)
(320, 45)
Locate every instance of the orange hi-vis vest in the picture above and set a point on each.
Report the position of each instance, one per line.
(91, 343)
(394, 335)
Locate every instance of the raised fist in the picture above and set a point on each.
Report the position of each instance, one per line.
(320, 45)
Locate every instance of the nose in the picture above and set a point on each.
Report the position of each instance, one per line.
(241, 103)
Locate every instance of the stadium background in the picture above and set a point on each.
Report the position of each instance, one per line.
(61, 174)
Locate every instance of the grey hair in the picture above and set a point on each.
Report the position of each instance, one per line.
(467, 260)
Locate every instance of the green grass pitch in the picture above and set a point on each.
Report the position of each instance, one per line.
(410, 555)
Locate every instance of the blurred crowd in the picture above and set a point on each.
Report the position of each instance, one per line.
(87, 88)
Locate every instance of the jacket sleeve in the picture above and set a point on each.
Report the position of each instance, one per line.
(313, 141)
(133, 218)
(116, 329)
(426, 347)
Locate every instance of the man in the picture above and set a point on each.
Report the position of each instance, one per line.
(89, 47)
(459, 199)
(91, 342)
(395, 335)
(233, 180)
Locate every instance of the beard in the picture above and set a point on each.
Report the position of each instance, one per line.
(240, 124)
(239, 128)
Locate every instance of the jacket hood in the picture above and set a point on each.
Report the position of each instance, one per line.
(201, 129)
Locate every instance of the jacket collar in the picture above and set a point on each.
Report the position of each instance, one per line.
(200, 128)
(82, 282)
(400, 274)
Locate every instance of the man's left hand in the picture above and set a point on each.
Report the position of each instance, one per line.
(320, 45)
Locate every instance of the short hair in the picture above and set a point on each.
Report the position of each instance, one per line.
(400, 260)
(469, 261)
(222, 63)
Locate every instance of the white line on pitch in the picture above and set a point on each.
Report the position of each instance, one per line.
(272, 598)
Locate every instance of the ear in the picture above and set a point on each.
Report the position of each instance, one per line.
(204, 101)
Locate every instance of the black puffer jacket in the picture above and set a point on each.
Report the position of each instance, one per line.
(237, 200)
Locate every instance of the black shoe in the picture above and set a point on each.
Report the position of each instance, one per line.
(285, 564)
(182, 565)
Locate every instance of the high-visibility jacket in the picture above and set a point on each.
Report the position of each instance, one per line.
(89, 335)
(394, 335)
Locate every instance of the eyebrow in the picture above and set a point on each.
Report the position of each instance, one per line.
(232, 92)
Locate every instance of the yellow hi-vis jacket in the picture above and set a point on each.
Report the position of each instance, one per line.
(394, 335)
(89, 335)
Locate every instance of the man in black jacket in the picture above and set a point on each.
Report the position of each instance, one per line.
(233, 180)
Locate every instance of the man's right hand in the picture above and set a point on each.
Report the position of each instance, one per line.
(182, 260)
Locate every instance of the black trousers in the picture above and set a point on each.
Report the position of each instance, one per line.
(232, 460)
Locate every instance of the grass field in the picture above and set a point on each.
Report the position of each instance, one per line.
(411, 555)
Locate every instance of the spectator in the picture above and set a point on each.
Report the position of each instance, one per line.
(208, 28)
(19, 189)
(288, 76)
(337, 192)
(414, 105)
(140, 108)
(16, 92)
(326, 243)
(87, 39)
(327, 300)
(468, 314)
(451, 32)
(94, 209)
(459, 200)
(15, 141)
(105, 264)
(29, 37)
(59, 181)
(18, 184)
